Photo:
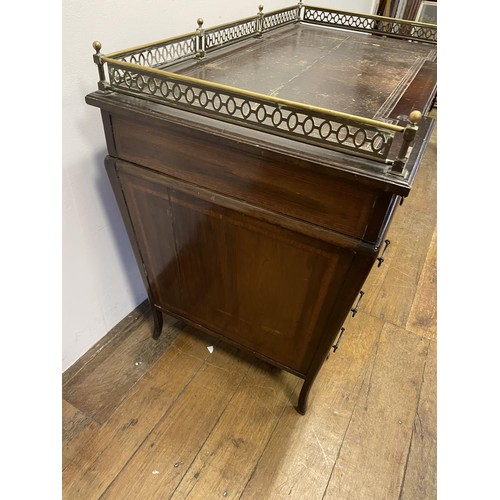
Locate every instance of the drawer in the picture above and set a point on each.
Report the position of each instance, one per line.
(266, 179)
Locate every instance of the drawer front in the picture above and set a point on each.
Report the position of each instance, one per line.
(265, 287)
(275, 182)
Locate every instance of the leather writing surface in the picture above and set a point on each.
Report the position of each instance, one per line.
(346, 71)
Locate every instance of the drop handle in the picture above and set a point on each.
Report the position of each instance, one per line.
(337, 342)
(354, 310)
(382, 257)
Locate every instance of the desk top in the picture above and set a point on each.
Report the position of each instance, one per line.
(347, 71)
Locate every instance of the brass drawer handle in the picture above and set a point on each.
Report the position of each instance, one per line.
(336, 345)
(354, 310)
(381, 258)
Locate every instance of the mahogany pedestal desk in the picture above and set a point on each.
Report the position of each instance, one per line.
(258, 164)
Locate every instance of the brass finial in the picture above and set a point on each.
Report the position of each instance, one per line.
(261, 8)
(200, 22)
(415, 116)
(97, 57)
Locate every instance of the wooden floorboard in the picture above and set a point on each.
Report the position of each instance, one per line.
(423, 314)
(372, 457)
(419, 481)
(168, 419)
(112, 446)
(163, 459)
(77, 429)
(102, 383)
(225, 462)
(298, 460)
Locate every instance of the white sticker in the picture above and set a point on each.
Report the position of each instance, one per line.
(210, 349)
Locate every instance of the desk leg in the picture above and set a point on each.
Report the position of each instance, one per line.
(361, 266)
(157, 322)
(110, 164)
(304, 395)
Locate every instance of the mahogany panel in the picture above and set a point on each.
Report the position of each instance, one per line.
(260, 285)
(270, 181)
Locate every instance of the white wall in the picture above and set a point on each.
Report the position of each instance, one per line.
(101, 282)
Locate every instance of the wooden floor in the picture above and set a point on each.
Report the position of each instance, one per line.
(145, 419)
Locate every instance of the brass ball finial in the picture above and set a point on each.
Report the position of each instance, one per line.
(261, 8)
(200, 22)
(415, 116)
(97, 46)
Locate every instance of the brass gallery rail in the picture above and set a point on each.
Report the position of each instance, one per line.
(142, 71)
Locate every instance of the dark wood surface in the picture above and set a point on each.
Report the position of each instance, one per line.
(251, 176)
(253, 281)
(156, 117)
(342, 70)
(258, 240)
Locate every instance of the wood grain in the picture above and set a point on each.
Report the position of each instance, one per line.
(164, 457)
(410, 240)
(226, 460)
(317, 197)
(231, 273)
(77, 429)
(423, 314)
(298, 460)
(102, 383)
(372, 458)
(147, 401)
(419, 481)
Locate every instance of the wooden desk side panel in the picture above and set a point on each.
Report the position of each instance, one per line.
(250, 174)
(264, 287)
